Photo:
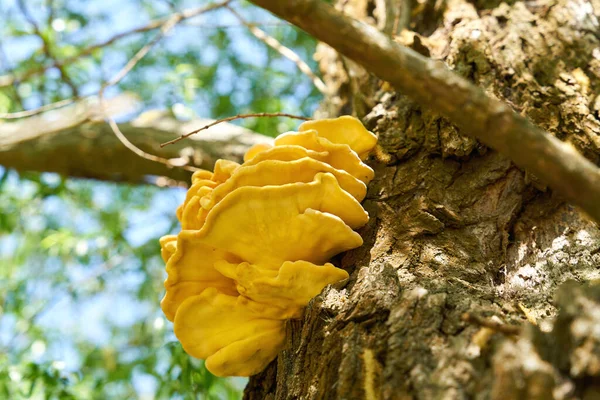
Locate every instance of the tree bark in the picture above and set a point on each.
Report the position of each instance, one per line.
(461, 240)
(75, 141)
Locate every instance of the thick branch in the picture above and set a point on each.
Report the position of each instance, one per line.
(75, 141)
(434, 86)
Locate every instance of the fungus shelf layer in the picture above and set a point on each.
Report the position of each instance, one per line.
(256, 238)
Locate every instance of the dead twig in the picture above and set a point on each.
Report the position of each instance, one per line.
(281, 49)
(168, 25)
(204, 25)
(115, 128)
(239, 116)
(41, 109)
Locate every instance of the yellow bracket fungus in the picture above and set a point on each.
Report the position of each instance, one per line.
(256, 238)
(344, 130)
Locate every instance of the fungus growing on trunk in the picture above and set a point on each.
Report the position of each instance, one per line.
(256, 239)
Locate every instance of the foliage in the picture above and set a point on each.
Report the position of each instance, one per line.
(80, 271)
(81, 279)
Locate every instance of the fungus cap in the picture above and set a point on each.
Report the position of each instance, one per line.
(290, 288)
(209, 326)
(269, 222)
(340, 156)
(190, 270)
(346, 130)
(198, 189)
(256, 239)
(255, 150)
(277, 173)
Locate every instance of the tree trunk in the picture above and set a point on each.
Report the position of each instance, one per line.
(459, 290)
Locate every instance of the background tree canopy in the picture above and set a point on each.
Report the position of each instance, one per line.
(80, 272)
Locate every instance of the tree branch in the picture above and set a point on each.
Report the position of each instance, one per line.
(7, 80)
(167, 25)
(233, 118)
(433, 85)
(75, 141)
(136, 150)
(281, 49)
(46, 48)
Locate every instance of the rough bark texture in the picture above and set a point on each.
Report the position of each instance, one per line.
(435, 86)
(75, 141)
(456, 228)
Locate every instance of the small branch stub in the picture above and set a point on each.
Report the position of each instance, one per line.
(239, 116)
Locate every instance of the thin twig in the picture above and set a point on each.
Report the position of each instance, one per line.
(168, 25)
(433, 85)
(41, 109)
(164, 24)
(46, 48)
(489, 323)
(239, 116)
(123, 139)
(7, 80)
(153, 25)
(204, 25)
(283, 50)
(50, 7)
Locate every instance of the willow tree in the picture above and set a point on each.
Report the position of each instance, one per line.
(460, 289)
(476, 279)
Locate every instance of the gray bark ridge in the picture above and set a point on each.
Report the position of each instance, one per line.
(75, 141)
(458, 229)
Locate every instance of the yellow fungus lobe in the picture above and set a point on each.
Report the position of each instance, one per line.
(256, 239)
